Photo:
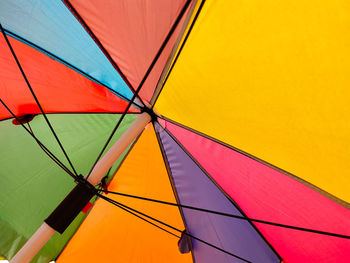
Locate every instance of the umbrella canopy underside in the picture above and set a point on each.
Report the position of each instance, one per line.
(247, 154)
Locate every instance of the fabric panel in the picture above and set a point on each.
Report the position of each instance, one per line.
(57, 87)
(32, 185)
(266, 194)
(110, 234)
(134, 36)
(194, 188)
(50, 25)
(272, 80)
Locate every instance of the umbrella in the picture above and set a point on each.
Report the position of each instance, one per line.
(204, 131)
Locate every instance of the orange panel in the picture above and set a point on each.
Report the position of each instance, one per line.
(110, 234)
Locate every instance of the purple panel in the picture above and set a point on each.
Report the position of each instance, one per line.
(194, 188)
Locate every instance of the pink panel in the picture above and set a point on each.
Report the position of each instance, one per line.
(264, 193)
(134, 36)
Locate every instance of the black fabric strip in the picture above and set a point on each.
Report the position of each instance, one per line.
(47, 151)
(179, 52)
(36, 99)
(97, 41)
(70, 207)
(66, 63)
(174, 228)
(233, 216)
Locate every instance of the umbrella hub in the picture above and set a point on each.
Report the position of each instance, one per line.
(151, 112)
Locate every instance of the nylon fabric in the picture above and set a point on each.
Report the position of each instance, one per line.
(270, 78)
(266, 194)
(133, 37)
(58, 88)
(186, 25)
(50, 25)
(194, 188)
(158, 70)
(32, 185)
(110, 234)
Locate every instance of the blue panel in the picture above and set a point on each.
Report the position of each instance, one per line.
(50, 25)
(194, 188)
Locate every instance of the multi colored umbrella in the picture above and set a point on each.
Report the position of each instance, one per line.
(245, 157)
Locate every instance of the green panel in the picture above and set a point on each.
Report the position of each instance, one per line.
(32, 185)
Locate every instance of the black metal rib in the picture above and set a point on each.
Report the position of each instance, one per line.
(229, 198)
(179, 52)
(36, 99)
(112, 133)
(129, 211)
(171, 227)
(231, 215)
(143, 80)
(173, 51)
(43, 147)
(66, 63)
(166, 162)
(105, 52)
(165, 42)
(77, 113)
(300, 180)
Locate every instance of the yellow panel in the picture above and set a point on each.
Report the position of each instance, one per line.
(272, 78)
(110, 234)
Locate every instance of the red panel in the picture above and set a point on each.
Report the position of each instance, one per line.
(58, 88)
(134, 36)
(264, 193)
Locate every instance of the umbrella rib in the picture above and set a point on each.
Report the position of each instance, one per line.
(185, 25)
(231, 215)
(79, 113)
(143, 80)
(52, 157)
(48, 53)
(42, 146)
(36, 99)
(99, 44)
(155, 59)
(179, 52)
(165, 42)
(229, 198)
(144, 219)
(174, 228)
(112, 133)
(166, 162)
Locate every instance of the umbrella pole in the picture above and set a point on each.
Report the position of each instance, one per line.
(44, 232)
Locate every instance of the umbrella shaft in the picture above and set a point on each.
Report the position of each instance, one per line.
(34, 244)
(106, 162)
(44, 233)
